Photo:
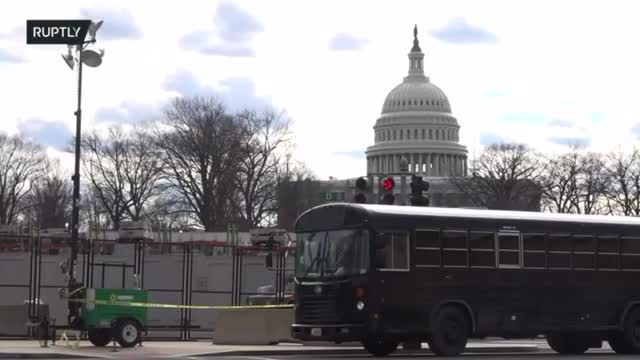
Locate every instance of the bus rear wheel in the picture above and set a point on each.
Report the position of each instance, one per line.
(450, 331)
(564, 343)
(619, 345)
(631, 333)
(379, 346)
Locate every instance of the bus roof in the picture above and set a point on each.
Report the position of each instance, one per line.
(497, 214)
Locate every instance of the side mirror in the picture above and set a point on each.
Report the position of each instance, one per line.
(269, 260)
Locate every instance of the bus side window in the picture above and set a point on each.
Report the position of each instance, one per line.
(392, 251)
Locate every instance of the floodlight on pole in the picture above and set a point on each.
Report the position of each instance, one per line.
(91, 56)
(68, 58)
(85, 53)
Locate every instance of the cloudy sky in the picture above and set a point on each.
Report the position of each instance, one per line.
(546, 73)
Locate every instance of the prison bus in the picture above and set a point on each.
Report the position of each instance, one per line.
(385, 275)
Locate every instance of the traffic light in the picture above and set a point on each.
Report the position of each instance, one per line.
(387, 184)
(418, 187)
(361, 188)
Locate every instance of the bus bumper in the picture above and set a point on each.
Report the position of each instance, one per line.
(335, 332)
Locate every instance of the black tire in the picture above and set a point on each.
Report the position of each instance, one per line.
(379, 347)
(631, 332)
(450, 330)
(564, 343)
(128, 333)
(619, 345)
(100, 337)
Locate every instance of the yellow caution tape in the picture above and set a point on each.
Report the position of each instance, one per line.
(177, 306)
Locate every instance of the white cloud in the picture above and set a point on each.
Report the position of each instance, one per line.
(573, 63)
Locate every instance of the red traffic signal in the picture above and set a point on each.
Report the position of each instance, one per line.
(388, 183)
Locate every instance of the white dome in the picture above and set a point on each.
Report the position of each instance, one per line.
(417, 94)
(416, 126)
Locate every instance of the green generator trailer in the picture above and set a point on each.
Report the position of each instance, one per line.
(106, 322)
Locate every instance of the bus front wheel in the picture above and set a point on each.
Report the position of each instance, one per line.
(567, 343)
(379, 347)
(450, 331)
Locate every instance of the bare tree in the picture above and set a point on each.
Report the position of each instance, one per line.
(21, 162)
(171, 210)
(593, 182)
(123, 168)
(92, 209)
(623, 194)
(202, 149)
(104, 163)
(50, 197)
(504, 177)
(559, 182)
(268, 136)
(142, 171)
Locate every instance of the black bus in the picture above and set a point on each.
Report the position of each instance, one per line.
(384, 275)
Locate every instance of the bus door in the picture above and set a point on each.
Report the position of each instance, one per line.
(511, 282)
(392, 265)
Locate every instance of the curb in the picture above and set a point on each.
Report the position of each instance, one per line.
(44, 356)
(470, 349)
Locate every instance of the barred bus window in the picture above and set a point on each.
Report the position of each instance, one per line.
(583, 257)
(454, 248)
(607, 258)
(608, 244)
(428, 239)
(560, 251)
(534, 255)
(428, 248)
(630, 254)
(630, 246)
(483, 249)
(560, 243)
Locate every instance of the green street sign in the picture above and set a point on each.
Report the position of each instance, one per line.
(332, 195)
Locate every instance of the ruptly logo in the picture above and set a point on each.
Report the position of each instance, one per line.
(58, 32)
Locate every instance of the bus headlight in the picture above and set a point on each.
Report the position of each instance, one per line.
(360, 305)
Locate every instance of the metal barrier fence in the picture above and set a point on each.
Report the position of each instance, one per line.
(186, 273)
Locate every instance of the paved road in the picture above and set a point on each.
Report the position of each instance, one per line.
(543, 355)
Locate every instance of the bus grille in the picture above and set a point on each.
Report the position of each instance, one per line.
(319, 309)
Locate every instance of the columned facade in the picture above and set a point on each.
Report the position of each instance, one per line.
(416, 123)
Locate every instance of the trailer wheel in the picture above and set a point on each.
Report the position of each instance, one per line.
(567, 343)
(128, 333)
(379, 346)
(450, 330)
(100, 337)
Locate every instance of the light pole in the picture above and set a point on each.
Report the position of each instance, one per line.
(85, 53)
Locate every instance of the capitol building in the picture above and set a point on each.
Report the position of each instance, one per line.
(417, 129)
(416, 123)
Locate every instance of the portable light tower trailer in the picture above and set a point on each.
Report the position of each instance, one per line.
(105, 322)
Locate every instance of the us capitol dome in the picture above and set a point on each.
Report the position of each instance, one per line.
(416, 123)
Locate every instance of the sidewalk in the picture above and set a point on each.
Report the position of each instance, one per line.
(157, 349)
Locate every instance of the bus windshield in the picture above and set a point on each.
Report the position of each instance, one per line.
(328, 254)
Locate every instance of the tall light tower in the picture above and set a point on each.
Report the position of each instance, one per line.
(87, 54)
